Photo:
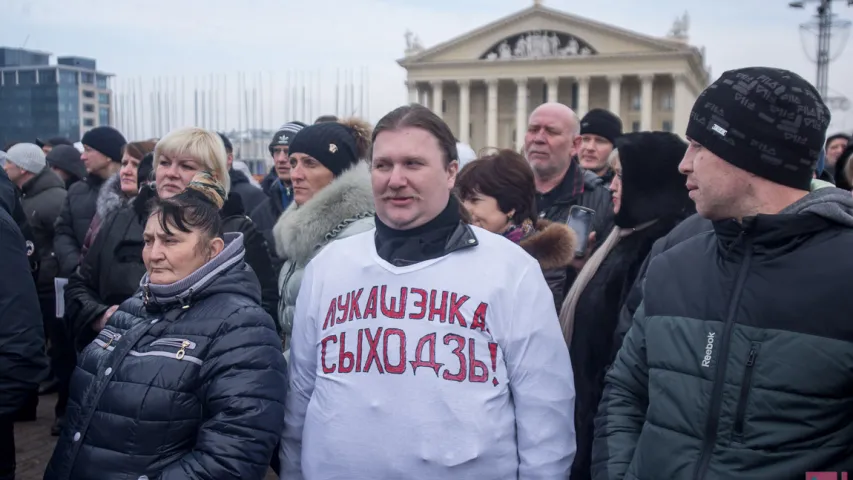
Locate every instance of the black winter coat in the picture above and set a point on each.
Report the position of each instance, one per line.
(583, 188)
(250, 195)
(23, 362)
(42, 198)
(174, 393)
(553, 245)
(738, 364)
(111, 270)
(73, 222)
(267, 214)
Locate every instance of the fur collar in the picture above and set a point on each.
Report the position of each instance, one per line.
(110, 197)
(301, 230)
(551, 244)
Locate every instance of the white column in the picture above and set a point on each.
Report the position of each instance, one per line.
(682, 105)
(520, 112)
(583, 96)
(492, 113)
(553, 88)
(464, 111)
(437, 97)
(646, 82)
(615, 94)
(413, 91)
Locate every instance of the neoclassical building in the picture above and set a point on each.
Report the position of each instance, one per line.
(485, 83)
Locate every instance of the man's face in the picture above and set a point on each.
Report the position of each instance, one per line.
(715, 185)
(14, 172)
(594, 151)
(281, 160)
(549, 141)
(411, 183)
(834, 150)
(95, 161)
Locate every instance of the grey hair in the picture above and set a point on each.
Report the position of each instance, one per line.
(613, 157)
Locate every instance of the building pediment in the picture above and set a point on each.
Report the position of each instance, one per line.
(540, 32)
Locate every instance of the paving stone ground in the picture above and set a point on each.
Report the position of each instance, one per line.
(34, 445)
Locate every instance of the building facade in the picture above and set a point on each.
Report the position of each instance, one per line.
(42, 100)
(486, 83)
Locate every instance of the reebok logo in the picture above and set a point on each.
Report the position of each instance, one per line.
(709, 350)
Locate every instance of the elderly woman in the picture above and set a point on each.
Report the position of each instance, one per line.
(499, 193)
(649, 199)
(332, 199)
(187, 378)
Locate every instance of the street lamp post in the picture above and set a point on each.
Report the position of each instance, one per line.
(824, 24)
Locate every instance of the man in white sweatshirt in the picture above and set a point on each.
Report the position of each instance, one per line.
(429, 348)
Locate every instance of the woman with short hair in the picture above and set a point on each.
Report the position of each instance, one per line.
(186, 380)
(499, 193)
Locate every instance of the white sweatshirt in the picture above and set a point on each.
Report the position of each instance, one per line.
(451, 368)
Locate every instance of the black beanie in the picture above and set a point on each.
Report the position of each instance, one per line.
(229, 148)
(602, 123)
(332, 144)
(143, 171)
(67, 158)
(767, 121)
(106, 140)
(285, 135)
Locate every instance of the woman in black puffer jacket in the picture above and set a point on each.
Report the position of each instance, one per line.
(187, 379)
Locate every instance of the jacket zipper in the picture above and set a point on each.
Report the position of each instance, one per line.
(174, 342)
(719, 378)
(744, 392)
(112, 336)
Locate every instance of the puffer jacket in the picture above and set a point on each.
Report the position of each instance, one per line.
(342, 209)
(739, 361)
(74, 221)
(186, 381)
(553, 245)
(42, 198)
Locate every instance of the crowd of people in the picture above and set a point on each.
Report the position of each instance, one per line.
(387, 303)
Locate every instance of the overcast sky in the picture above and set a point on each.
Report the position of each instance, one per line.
(143, 39)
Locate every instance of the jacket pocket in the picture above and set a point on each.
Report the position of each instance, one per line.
(745, 386)
(106, 339)
(181, 344)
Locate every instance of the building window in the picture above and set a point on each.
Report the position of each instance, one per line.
(87, 78)
(47, 77)
(88, 122)
(67, 77)
(636, 102)
(88, 108)
(102, 82)
(667, 126)
(9, 79)
(104, 98)
(88, 94)
(635, 127)
(104, 116)
(26, 77)
(667, 102)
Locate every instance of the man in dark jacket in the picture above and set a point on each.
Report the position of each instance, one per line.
(102, 152)
(42, 196)
(738, 356)
(599, 131)
(280, 192)
(250, 195)
(66, 162)
(553, 136)
(22, 359)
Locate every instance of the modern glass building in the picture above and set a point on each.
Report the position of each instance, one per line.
(40, 100)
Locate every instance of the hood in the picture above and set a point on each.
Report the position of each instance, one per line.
(551, 244)
(302, 229)
(830, 203)
(8, 195)
(225, 273)
(240, 166)
(45, 180)
(110, 197)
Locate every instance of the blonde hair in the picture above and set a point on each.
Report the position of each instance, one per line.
(201, 145)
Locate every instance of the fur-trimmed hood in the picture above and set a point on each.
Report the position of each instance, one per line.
(302, 229)
(110, 197)
(551, 244)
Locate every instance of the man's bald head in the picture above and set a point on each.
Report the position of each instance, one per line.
(553, 134)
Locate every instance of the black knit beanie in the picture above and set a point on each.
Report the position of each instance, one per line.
(144, 170)
(602, 123)
(332, 144)
(767, 121)
(106, 140)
